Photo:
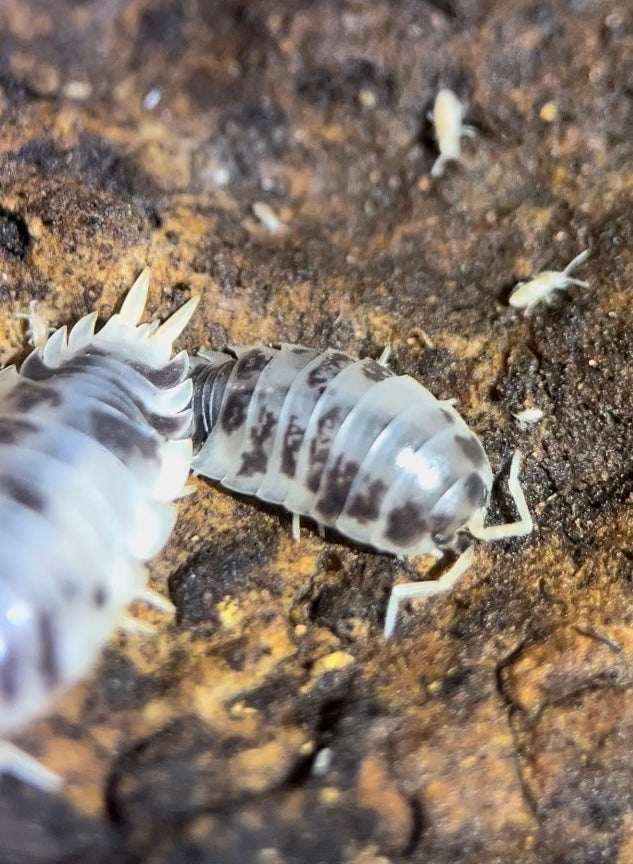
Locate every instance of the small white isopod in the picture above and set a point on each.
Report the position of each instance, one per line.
(447, 118)
(540, 289)
(351, 445)
(94, 447)
(528, 417)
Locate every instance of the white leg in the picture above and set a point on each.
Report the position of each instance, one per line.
(136, 627)
(570, 281)
(185, 492)
(37, 330)
(524, 525)
(296, 527)
(157, 601)
(469, 131)
(26, 768)
(437, 169)
(321, 530)
(409, 590)
(383, 360)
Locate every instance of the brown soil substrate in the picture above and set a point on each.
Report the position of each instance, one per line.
(270, 722)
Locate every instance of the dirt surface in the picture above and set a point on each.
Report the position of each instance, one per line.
(271, 722)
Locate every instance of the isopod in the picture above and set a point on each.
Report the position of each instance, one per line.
(94, 446)
(528, 417)
(541, 288)
(447, 118)
(351, 445)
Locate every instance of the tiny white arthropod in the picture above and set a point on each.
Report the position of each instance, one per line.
(540, 289)
(351, 445)
(94, 447)
(528, 417)
(447, 116)
(269, 219)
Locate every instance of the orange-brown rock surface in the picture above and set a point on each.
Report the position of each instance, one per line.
(270, 722)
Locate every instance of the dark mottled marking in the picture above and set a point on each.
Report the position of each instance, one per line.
(251, 362)
(373, 371)
(209, 384)
(22, 493)
(49, 660)
(299, 349)
(406, 525)
(448, 415)
(293, 438)
(106, 391)
(9, 674)
(246, 374)
(99, 596)
(327, 426)
(30, 394)
(218, 385)
(121, 436)
(167, 376)
(327, 369)
(365, 506)
(475, 490)
(35, 369)
(336, 486)
(68, 587)
(255, 460)
(472, 449)
(173, 426)
(12, 430)
(442, 527)
(234, 410)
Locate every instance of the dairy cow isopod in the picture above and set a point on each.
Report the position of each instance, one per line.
(351, 445)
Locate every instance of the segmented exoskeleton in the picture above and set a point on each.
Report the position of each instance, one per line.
(94, 447)
(349, 444)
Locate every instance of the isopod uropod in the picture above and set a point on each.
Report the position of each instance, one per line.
(94, 447)
(351, 445)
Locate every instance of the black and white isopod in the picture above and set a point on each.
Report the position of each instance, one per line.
(348, 443)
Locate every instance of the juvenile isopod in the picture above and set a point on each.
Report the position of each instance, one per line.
(94, 446)
(351, 445)
(447, 118)
(528, 417)
(541, 288)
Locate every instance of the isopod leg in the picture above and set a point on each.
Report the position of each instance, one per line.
(26, 768)
(570, 281)
(511, 529)
(136, 627)
(157, 601)
(383, 360)
(296, 527)
(437, 169)
(409, 590)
